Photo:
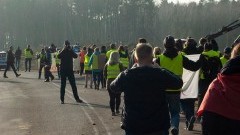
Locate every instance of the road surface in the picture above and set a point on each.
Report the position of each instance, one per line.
(29, 106)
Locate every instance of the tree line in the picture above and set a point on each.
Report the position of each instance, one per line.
(101, 22)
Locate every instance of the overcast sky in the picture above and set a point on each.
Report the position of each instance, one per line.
(181, 1)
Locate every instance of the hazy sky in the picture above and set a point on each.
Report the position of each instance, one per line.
(181, 1)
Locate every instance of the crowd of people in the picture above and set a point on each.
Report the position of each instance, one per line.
(151, 80)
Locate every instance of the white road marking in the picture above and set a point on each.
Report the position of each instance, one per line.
(85, 112)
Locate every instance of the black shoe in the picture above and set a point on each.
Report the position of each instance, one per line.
(62, 102)
(47, 80)
(52, 78)
(114, 114)
(90, 86)
(79, 101)
(191, 123)
(117, 112)
(25, 70)
(5, 76)
(18, 75)
(174, 131)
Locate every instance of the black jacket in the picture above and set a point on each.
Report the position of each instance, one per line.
(66, 57)
(10, 57)
(146, 109)
(232, 66)
(18, 54)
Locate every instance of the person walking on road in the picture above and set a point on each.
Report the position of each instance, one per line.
(146, 110)
(28, 58)
(41, 56)
(18, 55)
(87, 69)
(113, 48)
(10, 63)
(48, 65)
(57, 61)
(66, 70)
(111, 70)
(94, 63)
(82, 58)
(174, 61)
(226, 55)
(220, 108)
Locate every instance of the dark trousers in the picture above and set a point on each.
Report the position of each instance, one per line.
(7, 68)
(203, 86)
(71, 78)
(81, 68)
(48, 73)
(28, 62)
(188, 108)
(103, 80)
(214, 124)
(115, 100)
(58, 70)
(97, 78)
(40, 71)
(18, 61)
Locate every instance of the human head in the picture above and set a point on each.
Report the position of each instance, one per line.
(43, 50)
(103, 49)
(214, 44)
(84, 48)
(169, 42)
(94, 46)
(114, 58)
(112, 46)
(207, 46)
(126, 48)
(191, 43)
(96, 49)
(227, 51)
(142, 40)
(67, 43)
(11, 48)
(156, 51)
(120, 48)
(179, 44)
(235, 51)
(144, 53)
(28, 46)
(202, 41)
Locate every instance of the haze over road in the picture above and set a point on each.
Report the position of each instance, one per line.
(29, 106)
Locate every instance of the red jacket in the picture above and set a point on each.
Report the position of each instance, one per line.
(223, 97)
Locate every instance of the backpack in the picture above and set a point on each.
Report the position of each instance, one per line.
(211, 67)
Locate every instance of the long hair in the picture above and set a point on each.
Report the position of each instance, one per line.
(114, 58)
(235, 51)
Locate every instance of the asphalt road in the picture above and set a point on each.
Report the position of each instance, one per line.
(29, 106)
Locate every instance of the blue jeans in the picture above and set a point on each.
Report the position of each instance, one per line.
(188, 108)
(173, 101)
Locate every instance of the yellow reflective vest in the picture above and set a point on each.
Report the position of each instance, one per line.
(113, 71)
(124, 61)
(86, 62)
(57, 60)
(223, 60)
(28, 53)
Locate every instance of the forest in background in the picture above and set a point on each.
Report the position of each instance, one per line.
(101, 22)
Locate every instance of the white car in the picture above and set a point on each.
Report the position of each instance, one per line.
(3, 60)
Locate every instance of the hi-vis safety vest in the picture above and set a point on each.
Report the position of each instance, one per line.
(109, 53)
(95, 62)
(28, 53)
(124, 61)
(113, 71)
(174, 65)
(210, 53)
(57, 60)
(86, 62)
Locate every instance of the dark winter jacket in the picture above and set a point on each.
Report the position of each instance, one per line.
(146, 109)
(10, 57)
(18, 53)
(66, 57)
(231, 67)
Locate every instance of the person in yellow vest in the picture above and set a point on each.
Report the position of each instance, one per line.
(87, 69)
(42, 57)
(111, 70)
(57, 61)
(112, 49)
(94, 63)
(226, 55)
(28, 58)
(174, 61)
(124, 57)
(210, 68)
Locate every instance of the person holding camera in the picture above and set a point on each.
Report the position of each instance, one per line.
(66, 71)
